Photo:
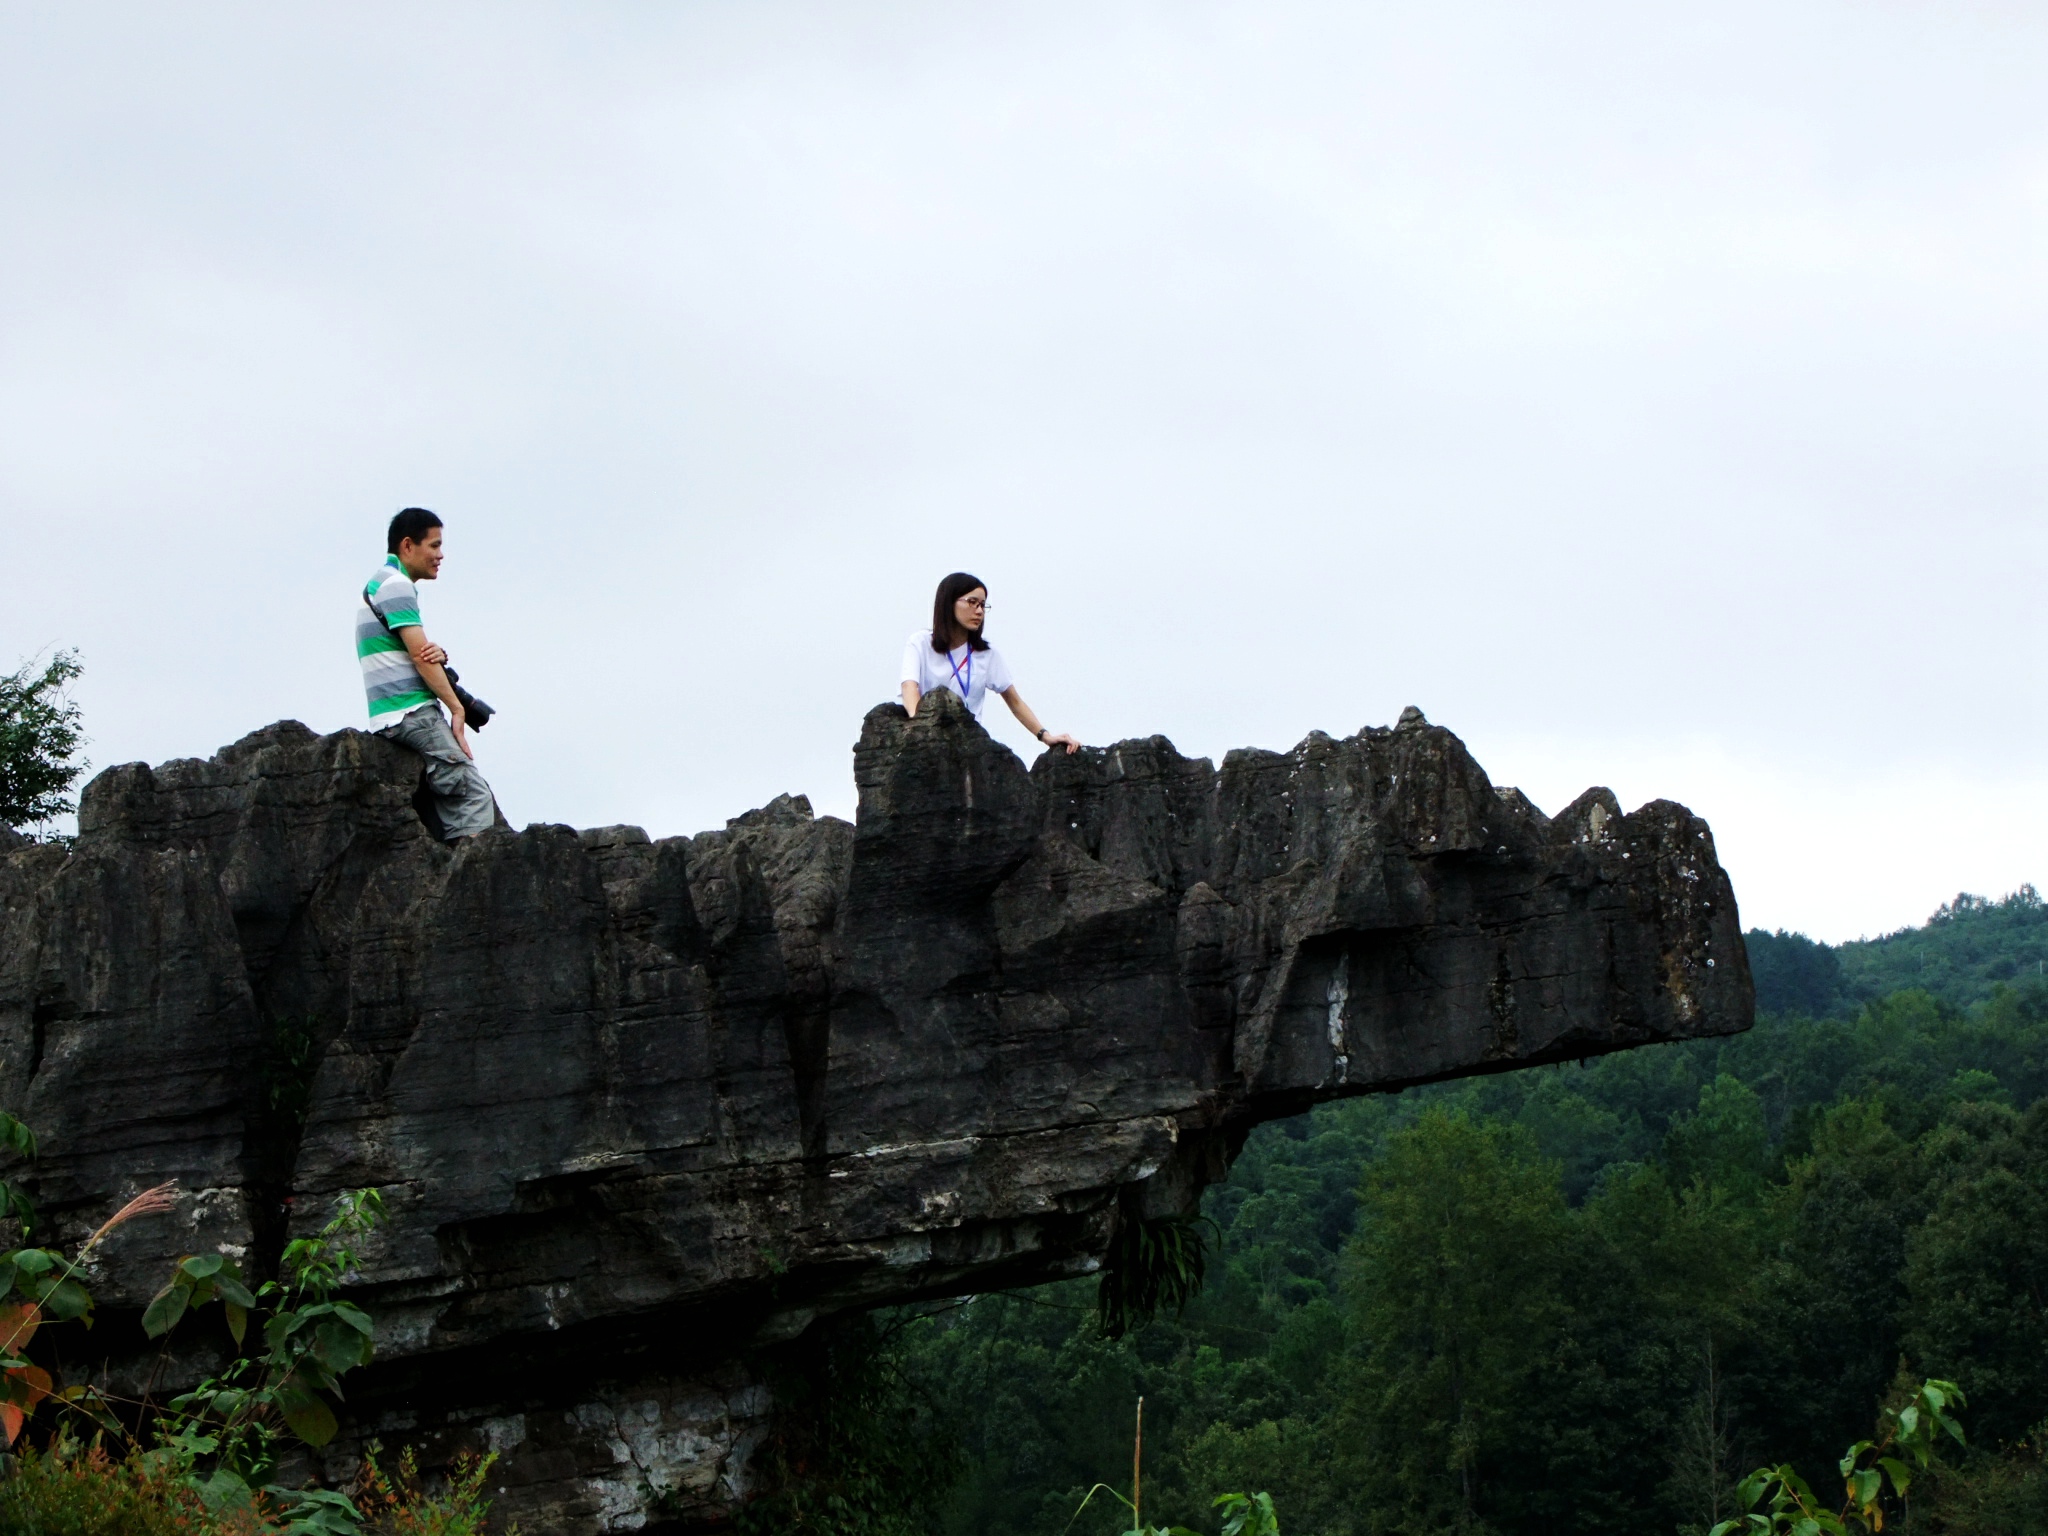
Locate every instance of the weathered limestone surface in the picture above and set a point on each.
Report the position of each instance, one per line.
(638, 1107)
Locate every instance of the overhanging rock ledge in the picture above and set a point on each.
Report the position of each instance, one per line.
(639, 1107)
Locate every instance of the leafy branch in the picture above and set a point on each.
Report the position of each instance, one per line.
(14, 1202)
(1780, 1503)
(310, 1340)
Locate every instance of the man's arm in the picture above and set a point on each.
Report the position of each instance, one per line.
(419, 647)
(429, 660)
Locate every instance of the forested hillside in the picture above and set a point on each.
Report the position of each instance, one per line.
(1968, 948)
(1581, 1298)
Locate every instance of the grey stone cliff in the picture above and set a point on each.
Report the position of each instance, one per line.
(640, 1107)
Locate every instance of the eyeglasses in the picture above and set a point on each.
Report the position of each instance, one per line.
(979, 604)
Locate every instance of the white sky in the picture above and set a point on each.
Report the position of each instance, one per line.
(1652, 394)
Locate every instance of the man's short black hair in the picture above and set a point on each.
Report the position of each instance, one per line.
(413, 523)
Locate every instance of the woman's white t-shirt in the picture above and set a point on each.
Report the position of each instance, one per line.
(971, 675)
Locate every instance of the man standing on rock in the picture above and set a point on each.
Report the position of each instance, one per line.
(405, 673)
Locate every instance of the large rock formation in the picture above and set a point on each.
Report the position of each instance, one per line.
(639, 1107)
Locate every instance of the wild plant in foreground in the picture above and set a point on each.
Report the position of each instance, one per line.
(45, 1287)
(1244, 1514)
(209, 1464)
(74, 1490)
(396, 1503)
(232, 1423)
(1779, 1502)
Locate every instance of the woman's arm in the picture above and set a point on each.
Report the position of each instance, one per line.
(911, 695)
(1024, 713)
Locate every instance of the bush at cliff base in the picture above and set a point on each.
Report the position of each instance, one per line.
(74, 1491)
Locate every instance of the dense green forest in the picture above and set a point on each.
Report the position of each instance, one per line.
(1578, 1298)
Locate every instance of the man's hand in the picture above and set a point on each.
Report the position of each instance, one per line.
(432, 663)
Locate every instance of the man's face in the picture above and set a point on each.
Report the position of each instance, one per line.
(421, 557)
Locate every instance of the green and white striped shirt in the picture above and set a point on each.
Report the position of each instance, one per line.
(393, 683)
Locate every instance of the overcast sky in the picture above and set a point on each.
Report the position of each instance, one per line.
(1652, 394)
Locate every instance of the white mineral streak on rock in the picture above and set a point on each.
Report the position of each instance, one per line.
(502, 1434)
(962, 1143)
(1339, 995)
(689, 1448)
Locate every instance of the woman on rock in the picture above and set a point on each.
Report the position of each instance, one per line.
(952, 654)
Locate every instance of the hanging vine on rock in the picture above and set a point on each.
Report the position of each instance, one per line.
(1155, 1264)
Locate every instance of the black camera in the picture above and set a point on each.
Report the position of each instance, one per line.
(476, 714)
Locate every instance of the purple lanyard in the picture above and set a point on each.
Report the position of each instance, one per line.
(966, 661)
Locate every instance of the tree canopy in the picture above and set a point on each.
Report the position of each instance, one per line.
(39, 742)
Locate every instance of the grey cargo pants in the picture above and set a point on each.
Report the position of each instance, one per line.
(461, 797)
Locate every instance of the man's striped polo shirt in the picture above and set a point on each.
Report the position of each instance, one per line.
(393, 683)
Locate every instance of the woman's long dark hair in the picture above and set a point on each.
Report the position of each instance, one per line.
(946, 630)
